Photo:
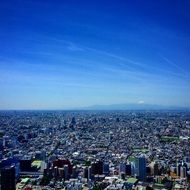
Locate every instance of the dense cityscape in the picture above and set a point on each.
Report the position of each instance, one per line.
(96, 150)
(94, 95)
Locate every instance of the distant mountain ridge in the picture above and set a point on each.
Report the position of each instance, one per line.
(113, 107)
(135, 107)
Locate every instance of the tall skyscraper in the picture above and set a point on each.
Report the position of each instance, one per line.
(66, 171)
(8, 178)
(156, 169)
(89, 172)
(106, 169)
(97, 168)
(128, 169)
(140, 168)
(122, 169)
(183, 172)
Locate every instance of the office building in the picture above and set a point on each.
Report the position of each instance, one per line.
(140, 168)
(8, 178)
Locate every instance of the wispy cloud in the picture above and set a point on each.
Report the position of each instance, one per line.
(174, 65)
(23, 79)
(130, 61)
(74, 47)
(123, 61)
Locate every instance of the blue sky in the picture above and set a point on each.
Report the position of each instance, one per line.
(66, 54)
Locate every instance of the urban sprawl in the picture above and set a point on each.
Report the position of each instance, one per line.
(95, 150)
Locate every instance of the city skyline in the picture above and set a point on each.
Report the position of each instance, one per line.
(65, 54)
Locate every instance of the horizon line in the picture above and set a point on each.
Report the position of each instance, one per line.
(108, 107)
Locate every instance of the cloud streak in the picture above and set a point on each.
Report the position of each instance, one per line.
(174, 65)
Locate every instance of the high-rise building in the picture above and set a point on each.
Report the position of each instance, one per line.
(85, 172)
(60, 163)
(106, 169)
(55, 171)
(8, 178)
(66, 171)
(122, 169)
(89, 172)
(178, 169)
(128, 169)
(9, 162)
(1, 144)
(140, 168)
(25, 164)
(183, 172)
(61, 172)
(97, 168)
(156, 169)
